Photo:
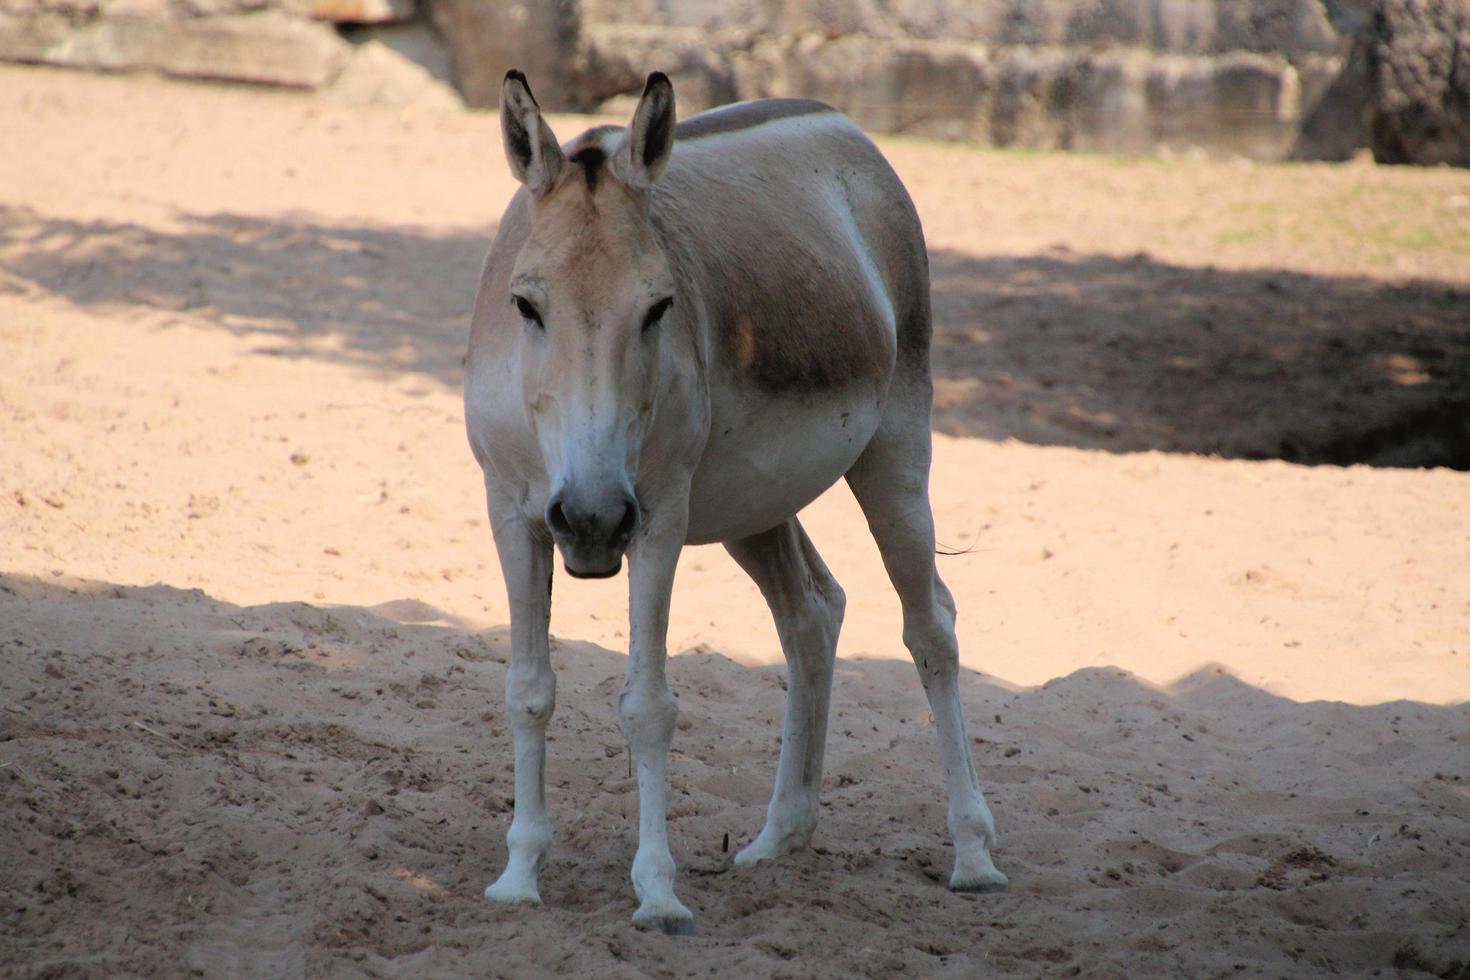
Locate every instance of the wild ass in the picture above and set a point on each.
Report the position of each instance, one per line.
(683, 335)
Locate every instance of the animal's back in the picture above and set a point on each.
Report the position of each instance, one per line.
(806, 245)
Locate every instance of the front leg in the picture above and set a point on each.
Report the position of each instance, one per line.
(648, 713)
(530, 695)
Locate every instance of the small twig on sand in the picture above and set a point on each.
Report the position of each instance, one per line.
(153, 731)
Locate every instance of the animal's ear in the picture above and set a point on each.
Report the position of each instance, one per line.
(530, 145)
(650, 137)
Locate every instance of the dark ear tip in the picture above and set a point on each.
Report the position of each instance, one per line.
(655, 80)
(516, 75)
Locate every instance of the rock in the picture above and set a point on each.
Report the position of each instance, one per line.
(207, 8)
(1349, 18)
(1281, 27)
(1421, 111)
(619, 59)
(1109, 110)
(540, 37)
(272, 48)
(1183, 27)
(782, 18)
(1287, 27)
(928, 88)
(1337, 98)
(1114, 101)
(376, 75)
(362, 11)
(1239, 104)
(417, 41)
(1027, 87)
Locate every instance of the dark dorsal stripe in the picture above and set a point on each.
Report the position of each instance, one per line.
(745, 116)
(586, 151)
(591, 158)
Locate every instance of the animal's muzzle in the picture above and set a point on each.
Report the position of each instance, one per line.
(592, 534)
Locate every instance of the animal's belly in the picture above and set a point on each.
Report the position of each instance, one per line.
(764, 464)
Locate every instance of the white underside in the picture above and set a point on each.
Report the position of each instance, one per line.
(781, 457)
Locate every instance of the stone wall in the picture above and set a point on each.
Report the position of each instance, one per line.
(1261, 78)
(1268, 79)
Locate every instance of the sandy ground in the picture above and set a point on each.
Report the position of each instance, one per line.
(252, 631)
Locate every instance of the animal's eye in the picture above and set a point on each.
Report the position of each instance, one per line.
(528, 311)
(656, 313)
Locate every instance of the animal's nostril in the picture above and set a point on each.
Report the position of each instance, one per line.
(625, 526)
(556, 518)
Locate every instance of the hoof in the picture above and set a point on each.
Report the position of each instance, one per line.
(976, 873)
(669, 917)
(513, 893)
(979, 887)
(771, 844)
(669, 925)
(753, 854)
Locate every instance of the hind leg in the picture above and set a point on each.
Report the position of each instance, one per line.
(891, 483)
(807, 604)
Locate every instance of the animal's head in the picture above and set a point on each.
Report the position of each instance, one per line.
(591, 287)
